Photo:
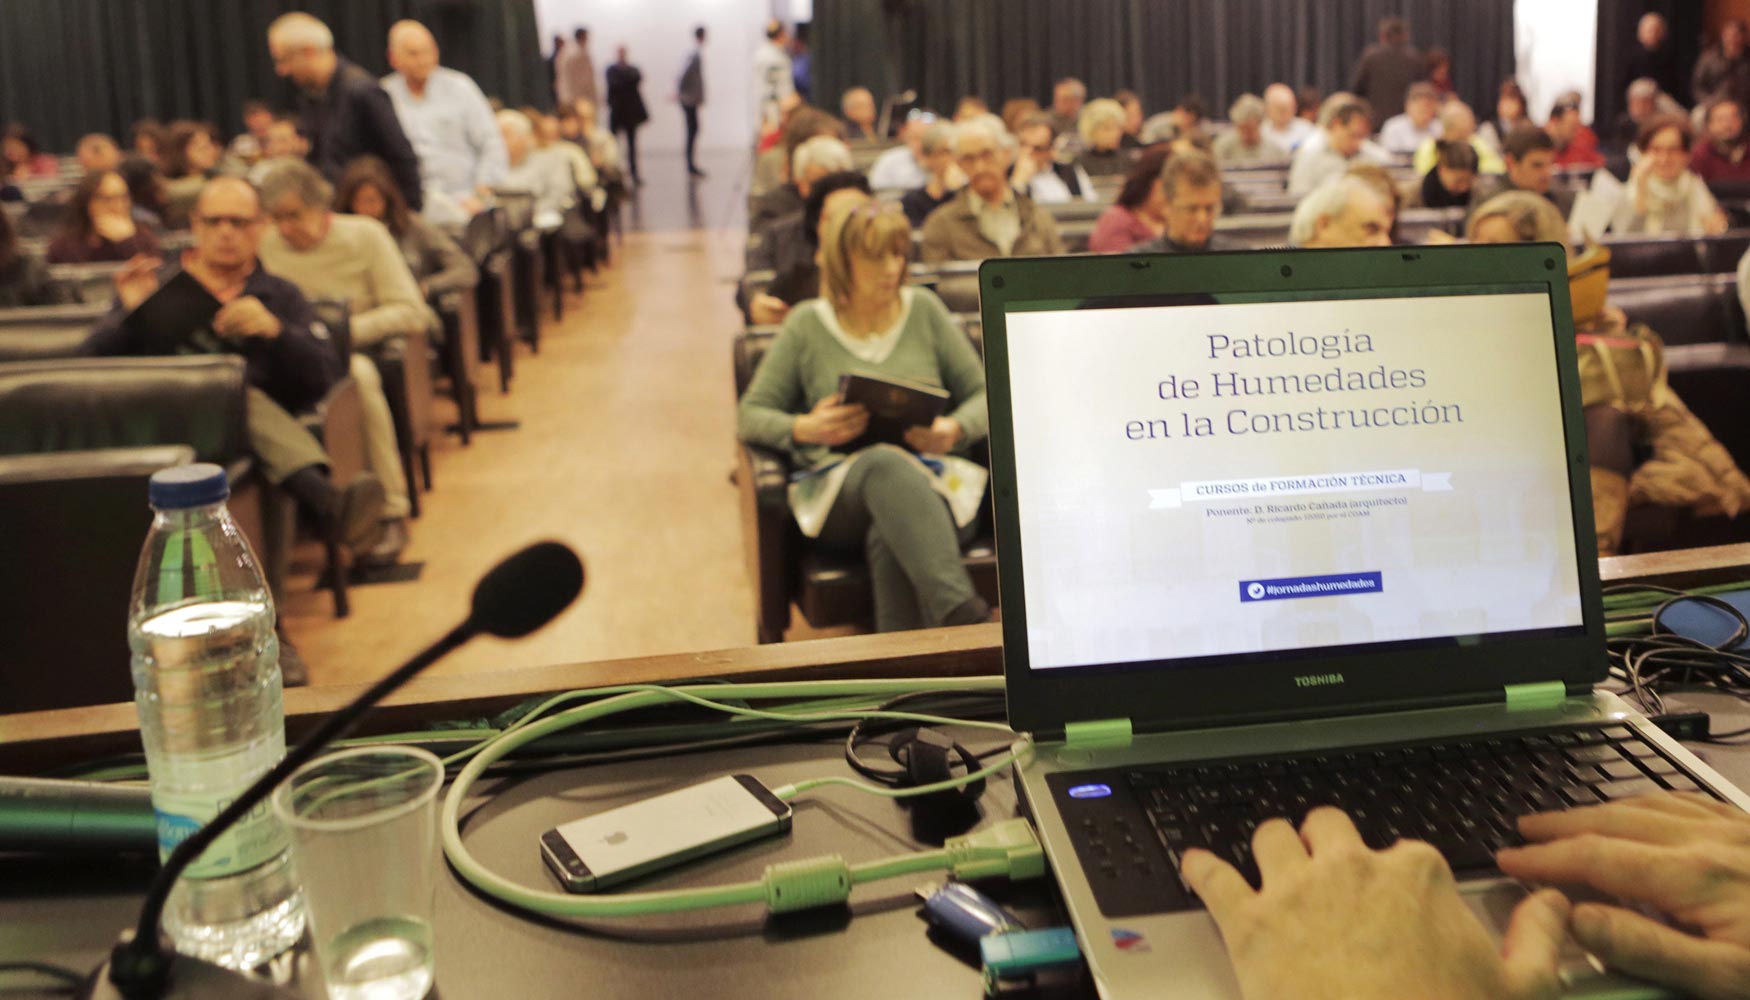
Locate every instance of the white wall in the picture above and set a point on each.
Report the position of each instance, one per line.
(1555, 42)
(658, 35)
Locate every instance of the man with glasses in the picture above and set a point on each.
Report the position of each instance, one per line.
(1192, 185)
(988, 218)
(268, 322)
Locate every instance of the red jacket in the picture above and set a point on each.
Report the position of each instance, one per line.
(1582, 152)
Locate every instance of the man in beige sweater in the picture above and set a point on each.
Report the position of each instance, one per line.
(353, 259)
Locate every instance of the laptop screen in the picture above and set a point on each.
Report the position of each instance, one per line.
(1247, 476)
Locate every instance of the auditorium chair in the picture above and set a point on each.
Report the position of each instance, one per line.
(93, 283)
(1683, 309)
(44, 333)
(404, 365)
(486, 240)
(459, 354)
(1654, 256)
(518, 208)
(831, 587)
(80, 520)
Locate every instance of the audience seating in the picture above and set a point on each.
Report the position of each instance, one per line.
(1684, 309)
(830, 587)
(1656, 256)
(459, 354)
(66, 579)
(486, 239)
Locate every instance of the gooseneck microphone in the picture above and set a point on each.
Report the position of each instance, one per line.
(519, 595)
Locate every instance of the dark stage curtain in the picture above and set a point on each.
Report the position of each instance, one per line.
(68, 67)
(1162, 49)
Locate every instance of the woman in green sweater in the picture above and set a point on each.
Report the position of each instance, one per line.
(908, 510)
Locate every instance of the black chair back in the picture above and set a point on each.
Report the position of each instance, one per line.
(92, 403)
(44, 342)
(1697, 311)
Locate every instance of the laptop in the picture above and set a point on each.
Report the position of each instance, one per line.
(1284, 528)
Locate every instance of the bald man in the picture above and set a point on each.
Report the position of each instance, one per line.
(345, 112)
(449, 123)
(266, 321)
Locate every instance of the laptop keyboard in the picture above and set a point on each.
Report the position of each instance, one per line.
(1460, 795)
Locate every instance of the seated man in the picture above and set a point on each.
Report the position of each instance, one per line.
(267, 321)
(1346, 212)
(902, 167)
(1720, 155)
(449, 123)
(858, 108)
(1191, 183)
(946, 177)
(988, 218)
(1404, 133)
(548, 178)
(786, 198)
(1575, 144)
(793, 244)
(1329, 153)
(351, 259)
(1284, 127)
(813, 160)
(1530, 156)
(1037, 172)
(1246, 142)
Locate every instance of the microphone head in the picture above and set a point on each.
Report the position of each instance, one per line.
(526, 591)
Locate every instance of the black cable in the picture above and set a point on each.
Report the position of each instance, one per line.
(866, 730)
(1666, 660)
(69, 981)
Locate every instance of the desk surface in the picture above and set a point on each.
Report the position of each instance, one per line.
(69, 912)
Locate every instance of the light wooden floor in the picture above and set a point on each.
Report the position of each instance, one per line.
(624, 452)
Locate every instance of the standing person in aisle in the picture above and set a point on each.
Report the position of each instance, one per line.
(626, 111)
(771, 76)
(577, 72)
(691, 95)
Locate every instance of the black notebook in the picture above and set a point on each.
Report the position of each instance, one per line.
(176, 319)
(895, 405)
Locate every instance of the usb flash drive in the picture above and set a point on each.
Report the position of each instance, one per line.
(1020, 954)
(966, 913)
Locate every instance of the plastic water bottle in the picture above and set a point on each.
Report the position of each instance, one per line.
(207, 686)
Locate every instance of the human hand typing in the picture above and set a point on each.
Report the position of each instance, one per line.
(1338, 921)
(1685, 855)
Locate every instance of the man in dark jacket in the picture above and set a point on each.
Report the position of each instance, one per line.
(691, 95)
(346, 114)
(1385, 71)
(1654, 57)
(626, 111)
(266, 321)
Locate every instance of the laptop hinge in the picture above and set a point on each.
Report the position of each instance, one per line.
(1544, 694)
(1097, 733)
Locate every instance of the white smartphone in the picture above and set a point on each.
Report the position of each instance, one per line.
(624, 843)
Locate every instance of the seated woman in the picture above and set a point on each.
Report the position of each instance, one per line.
(22, 157)
(438, 264)
(24, 278)
(907, 518)
(1448, 184)
(1664, 195)
(1139, 215)
(1630, 409)
(1102, 131)
(191, 158)
(145, 190)
(100, 224)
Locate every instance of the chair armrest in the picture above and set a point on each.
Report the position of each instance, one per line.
(338, 421)
(763, 479)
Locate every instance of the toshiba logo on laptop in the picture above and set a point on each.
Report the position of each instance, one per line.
(1317, 680)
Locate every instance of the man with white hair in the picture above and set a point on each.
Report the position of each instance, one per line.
(858, 108)
(816, 158)
(1459, 124)
(1404, 133)
(449, 123)
(988, 218)
(1346, 212)
(345, 113)
(1283, 124)
(548, 178)
(946, 177)
(351, 259)
(1246, 142)
(902, 167)
(1067, 98)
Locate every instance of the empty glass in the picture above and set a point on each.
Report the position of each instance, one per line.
(365, 840)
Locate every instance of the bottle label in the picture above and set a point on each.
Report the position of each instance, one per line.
(257, 837)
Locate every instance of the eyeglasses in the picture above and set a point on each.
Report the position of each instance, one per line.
(234, 221)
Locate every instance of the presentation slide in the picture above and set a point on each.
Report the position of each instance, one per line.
(1212, 480)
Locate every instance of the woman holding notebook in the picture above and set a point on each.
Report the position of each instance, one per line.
(892, 483)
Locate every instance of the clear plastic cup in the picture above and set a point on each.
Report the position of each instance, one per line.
(365, 841)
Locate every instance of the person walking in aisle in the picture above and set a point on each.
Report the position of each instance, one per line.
(626, 111)
(576, 72)
(691, 95)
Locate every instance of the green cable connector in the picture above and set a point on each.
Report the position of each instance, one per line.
(803, 885)
(1009, 849)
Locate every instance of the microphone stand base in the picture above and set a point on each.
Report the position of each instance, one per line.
(191, 979)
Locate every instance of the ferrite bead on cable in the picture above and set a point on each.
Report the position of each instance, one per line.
(802, 885)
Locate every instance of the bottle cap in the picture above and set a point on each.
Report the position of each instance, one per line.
(183, 486)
